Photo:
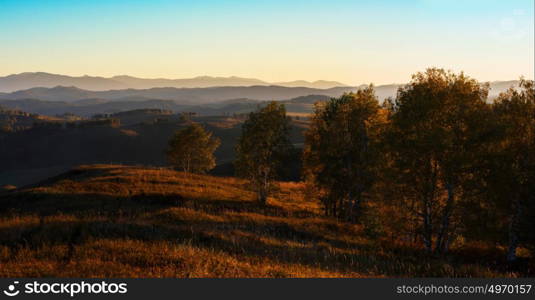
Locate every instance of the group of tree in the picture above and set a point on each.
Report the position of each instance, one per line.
(439, 130)
(449, 160)
(340, 155)
(440, 152)
(511, 180)
(262, 149)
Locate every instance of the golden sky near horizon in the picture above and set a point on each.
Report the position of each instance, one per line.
(353, 42)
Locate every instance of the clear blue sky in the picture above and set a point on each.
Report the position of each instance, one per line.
(350, 41)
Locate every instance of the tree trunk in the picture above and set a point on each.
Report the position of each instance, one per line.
(262, 197)
(427, 233)
(356, 207)
(513, 225)
(441, 244)
(264, 188)
(427, 230)
(428, 200)
(350, 207)
(334, 207)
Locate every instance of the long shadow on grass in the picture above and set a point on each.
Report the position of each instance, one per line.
(114, 208)
(107, 217)
(30, 202)
(74, 233)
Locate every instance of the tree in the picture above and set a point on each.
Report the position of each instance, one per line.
(263, 147)
(438, 129)
(340, 155)
(512, 179)
(192, 149)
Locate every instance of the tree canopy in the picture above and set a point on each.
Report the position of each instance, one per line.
(263, 147)
(340, 154)
(191, 149)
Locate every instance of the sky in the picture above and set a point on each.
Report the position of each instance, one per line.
(354, 42)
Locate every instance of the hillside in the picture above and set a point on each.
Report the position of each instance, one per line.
(93, 106)
(117, 221)
(16, 120)
(89, 107)
(140, 138)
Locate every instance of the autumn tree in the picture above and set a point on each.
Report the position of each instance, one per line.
(263, 147)
(191, 149)
(512, 179)
(438, 127)
(340, 155)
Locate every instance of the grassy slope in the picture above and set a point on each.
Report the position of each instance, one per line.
(113, 221)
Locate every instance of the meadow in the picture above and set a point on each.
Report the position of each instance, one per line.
(127, 221)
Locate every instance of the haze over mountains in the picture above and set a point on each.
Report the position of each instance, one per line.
(51, 94)
(181, 95)
(29, 80)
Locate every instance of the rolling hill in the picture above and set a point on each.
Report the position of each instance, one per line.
(87, 107)
(140, 137)
(117, 221)
(92, 106)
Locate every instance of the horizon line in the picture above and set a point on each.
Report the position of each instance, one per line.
(272, 83)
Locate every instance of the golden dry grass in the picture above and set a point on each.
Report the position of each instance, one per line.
(116, 221)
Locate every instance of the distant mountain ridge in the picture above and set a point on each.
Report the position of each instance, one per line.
(28, 80)
(197, 96)
(206, 101)
(179, 95)
(23, 81)
(318, 84)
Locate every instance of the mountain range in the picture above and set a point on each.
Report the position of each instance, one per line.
(208, 94)
(179, 95)
(29, 80)
(86, 95)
